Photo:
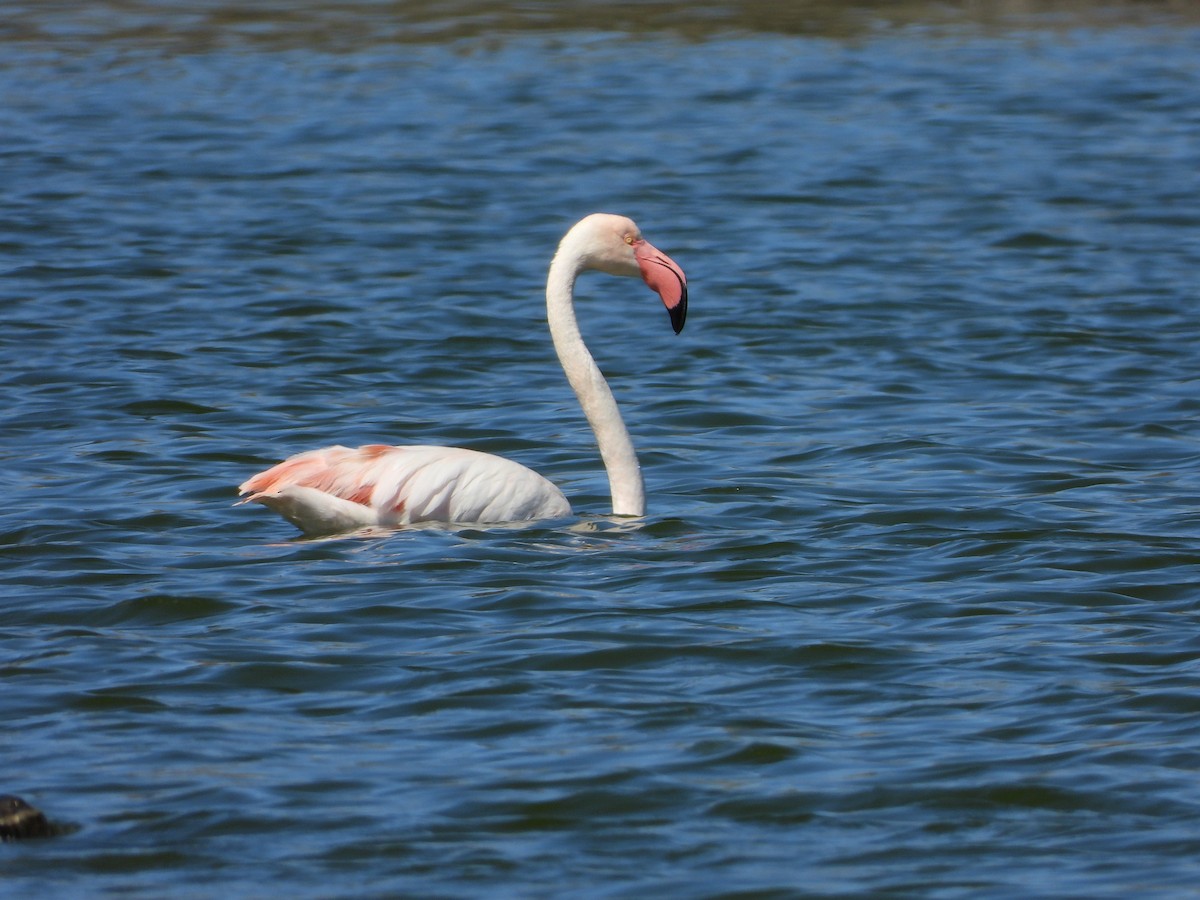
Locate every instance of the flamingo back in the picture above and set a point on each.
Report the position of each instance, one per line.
(337, 488)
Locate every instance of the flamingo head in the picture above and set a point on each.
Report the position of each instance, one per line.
(614, 244)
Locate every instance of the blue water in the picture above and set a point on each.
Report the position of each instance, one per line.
(916, 606)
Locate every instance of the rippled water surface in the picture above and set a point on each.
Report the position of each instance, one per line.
(916, 606)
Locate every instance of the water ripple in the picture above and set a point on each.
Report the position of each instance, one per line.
(913, 608)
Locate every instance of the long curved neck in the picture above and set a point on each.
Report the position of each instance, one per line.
(599, 405)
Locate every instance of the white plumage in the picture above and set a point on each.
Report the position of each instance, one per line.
(338, 489)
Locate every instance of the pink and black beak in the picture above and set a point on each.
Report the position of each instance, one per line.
(666, 278)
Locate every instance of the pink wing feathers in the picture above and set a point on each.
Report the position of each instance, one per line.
(340, 488)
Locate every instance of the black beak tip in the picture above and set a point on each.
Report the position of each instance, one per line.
(679, 312)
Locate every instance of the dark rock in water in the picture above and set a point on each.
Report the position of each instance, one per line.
(19, 820)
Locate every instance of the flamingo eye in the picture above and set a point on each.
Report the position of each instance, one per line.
(630, 238)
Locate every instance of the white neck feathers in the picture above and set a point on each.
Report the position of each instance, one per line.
(595, 397)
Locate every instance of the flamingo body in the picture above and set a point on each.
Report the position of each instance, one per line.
(338, 489)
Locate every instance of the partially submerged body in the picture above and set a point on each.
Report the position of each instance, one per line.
(337, 489)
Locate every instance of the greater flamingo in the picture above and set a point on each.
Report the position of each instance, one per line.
(338, 489)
